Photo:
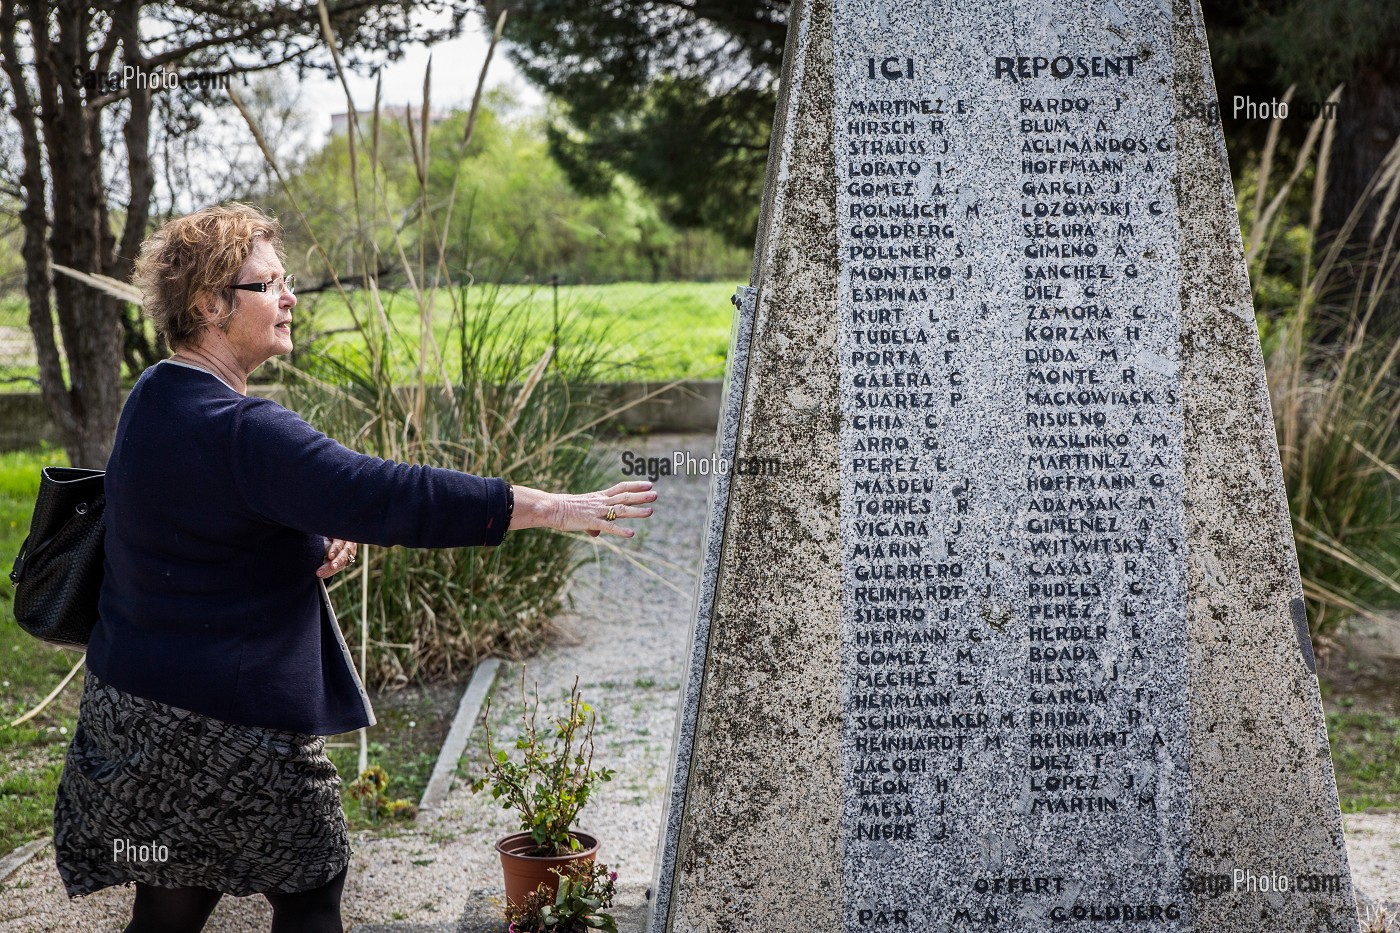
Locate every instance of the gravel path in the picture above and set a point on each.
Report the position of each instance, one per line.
(625, 638)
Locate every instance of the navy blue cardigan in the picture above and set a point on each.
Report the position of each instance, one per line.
(217, 505)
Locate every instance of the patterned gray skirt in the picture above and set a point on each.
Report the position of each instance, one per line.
(168, 797)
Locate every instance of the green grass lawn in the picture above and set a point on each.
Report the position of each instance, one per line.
(31, 755)
(1366, 753)
(664, 331)
(412, 724)
(651, 331)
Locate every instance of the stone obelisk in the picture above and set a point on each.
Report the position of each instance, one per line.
(1015, 639)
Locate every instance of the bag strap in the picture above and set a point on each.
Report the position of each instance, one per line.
(81, 509)
(19, 562)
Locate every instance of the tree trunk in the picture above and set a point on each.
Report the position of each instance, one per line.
(85, 409)
(138, 350)
(34, 219)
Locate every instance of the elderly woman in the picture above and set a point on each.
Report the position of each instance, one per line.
(198, 766)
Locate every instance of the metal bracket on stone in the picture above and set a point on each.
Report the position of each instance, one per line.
(744, 297)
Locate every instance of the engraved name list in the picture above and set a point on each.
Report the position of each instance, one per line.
(1012, 477)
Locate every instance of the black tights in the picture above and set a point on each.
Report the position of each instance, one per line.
(185, 910)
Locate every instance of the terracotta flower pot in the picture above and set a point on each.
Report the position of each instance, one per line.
(524, 873)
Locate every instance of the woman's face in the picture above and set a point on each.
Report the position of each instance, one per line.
(261, 325)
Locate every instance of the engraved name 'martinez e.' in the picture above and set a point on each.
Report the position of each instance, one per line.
(1011, 451)
(1016, 642)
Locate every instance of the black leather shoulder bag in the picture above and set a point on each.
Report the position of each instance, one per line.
(58, 573)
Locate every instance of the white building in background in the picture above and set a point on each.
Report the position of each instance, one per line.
(388, 113)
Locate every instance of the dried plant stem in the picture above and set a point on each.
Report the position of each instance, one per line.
(1337, 406)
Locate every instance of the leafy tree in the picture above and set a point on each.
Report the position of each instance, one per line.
(526, 218)
(85, 173)
(679, 96)
(517, 215)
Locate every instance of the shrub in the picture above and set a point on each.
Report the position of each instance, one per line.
(554, 778)
(500, 414)
(1336, 402)
(371, 790)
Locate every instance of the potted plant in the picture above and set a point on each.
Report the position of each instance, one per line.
(585, 889)
(547, 787)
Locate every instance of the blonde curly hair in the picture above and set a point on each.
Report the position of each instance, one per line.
(197, 256)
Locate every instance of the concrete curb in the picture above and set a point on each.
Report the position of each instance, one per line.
(16, 859)
(467, 711)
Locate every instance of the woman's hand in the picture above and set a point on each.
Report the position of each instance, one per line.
(339, 555)
(587, 512)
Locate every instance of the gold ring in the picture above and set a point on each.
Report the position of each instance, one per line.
(612, 514)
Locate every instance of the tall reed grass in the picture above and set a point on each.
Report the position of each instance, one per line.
(1336, 402)
(481, 404)
(502, 413)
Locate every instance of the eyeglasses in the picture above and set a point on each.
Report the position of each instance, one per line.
(288, 282)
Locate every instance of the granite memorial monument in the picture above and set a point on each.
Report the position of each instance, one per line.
(1015, 640)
